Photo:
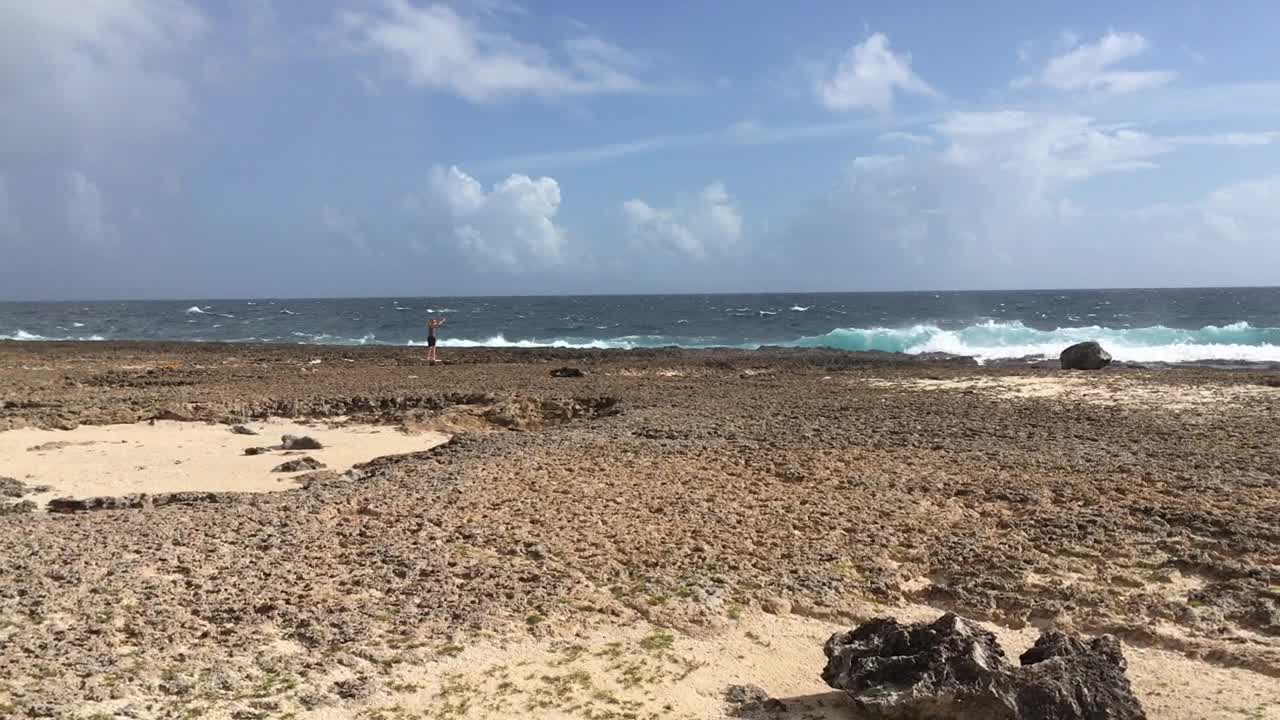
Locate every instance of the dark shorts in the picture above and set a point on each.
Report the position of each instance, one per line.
(431, 341)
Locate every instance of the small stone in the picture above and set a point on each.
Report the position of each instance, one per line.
(242, 430)
(748, 700)
(537, 552)
(256, 450)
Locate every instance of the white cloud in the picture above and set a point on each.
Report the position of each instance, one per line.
(339, 225)
(511, 226)
(93, 72)
(86, 210)
(1051, 150)
(868, 76)
(1088, 67)
(435, 47)
(905, 137)
(708, 224)
(999, 204)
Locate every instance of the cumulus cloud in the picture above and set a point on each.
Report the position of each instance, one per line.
(1088, 67)
(868, 76)
(437, 48)
(510, 227)
(93, 73)
(999, 204)
(708, 224)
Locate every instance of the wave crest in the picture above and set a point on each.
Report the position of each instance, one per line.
(997, 340)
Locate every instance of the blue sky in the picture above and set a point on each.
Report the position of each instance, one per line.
(173, 148)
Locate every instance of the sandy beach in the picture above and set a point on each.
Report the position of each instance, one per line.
(489, 540)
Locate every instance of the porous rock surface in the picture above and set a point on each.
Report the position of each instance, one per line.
(954, 668)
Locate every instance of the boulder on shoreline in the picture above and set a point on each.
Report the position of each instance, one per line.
(295, 442)
(954, 668)
(1084, 356)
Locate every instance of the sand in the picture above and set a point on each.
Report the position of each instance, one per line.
(644, 671)
(1094, 390)
(173, 456)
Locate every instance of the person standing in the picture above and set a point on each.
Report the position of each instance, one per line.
(432, 325)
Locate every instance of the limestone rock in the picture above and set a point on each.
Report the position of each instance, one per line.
(749, 701)
(1085, 356)
(303, 463)
(128, 502)
(296, 442)
(954, 668)
(20, 507)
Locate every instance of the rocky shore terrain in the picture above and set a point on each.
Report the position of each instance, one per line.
(688, 491)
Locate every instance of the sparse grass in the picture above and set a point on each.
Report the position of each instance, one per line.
(534, 619)
(397, 686)
(734, 611)
(657, 642)
(450, 650)
(569, 654)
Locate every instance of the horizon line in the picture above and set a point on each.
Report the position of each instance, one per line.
(645, 294)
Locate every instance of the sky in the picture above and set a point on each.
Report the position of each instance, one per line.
(273, 148)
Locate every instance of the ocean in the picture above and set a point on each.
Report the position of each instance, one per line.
(1144, 326)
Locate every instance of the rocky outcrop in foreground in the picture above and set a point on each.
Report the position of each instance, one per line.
(129, 502)
(1084, 356)
(954, 668)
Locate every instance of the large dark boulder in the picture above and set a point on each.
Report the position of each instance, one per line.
(954, 668)
(295, 442)
(1085, 356)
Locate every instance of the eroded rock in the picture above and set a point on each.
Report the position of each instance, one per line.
(243, 430)
(954, 668)
(1085, 356)
(128, 502)
(17, 508)
(303, 463)
(299, 442)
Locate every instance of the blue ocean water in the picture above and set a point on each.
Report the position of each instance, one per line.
(1181, 325)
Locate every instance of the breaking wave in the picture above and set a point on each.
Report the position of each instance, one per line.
(24, 336)
(996, 340)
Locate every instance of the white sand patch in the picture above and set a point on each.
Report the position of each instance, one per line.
(1092, 389)
(643, 671)
(172, 456)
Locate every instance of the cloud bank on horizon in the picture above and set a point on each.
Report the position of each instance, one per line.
(175, 148)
